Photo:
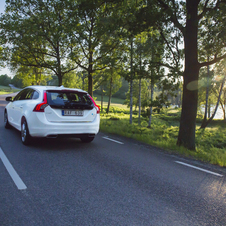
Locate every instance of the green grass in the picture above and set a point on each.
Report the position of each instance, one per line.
(210, 143)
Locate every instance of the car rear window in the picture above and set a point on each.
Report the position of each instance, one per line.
(69, 100)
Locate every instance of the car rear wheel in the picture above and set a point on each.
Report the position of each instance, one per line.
(6, 122)
(25, 135)
(87, 139)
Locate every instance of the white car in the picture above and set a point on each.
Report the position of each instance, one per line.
(47, 111)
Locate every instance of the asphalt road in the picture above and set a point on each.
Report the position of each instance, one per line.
(67, 182)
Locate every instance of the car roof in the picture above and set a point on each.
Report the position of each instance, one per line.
(42, 88)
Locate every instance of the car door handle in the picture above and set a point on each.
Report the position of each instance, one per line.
(21, 107)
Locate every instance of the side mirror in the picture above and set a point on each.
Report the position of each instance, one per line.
(8, 99)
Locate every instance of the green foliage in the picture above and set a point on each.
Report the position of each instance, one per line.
(120, 94)
(145, 94)
(31, 76)
(117, 111)
(169, 115)
(5, 80)
(1, 57)
(212, 138)
(72, 80)
(37, 34)
(17, 82)
(95, 37)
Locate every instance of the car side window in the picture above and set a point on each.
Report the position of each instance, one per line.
(25, 95)
(16, 97)
(20, 95)
(29, 94)
(35, 95)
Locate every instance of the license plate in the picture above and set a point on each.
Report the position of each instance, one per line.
(72, 113)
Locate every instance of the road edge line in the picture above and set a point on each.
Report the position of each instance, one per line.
(12, 172)
(198, 168)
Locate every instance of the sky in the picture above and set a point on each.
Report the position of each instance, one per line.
(4, 70)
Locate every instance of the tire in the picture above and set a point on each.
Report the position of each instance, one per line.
(87, 139)
(25, 135)
(6, 121)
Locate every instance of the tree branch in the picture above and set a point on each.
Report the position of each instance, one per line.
(172, 15)
(215, 60)
(206, 9)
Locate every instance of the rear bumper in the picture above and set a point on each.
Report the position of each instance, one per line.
(39, 126)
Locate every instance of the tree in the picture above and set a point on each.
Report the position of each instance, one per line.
(94, 37)
(1, 57)
(32, 76)
(148, 58)
(110, 78)
(141, 98)
(5, 80)
(217, 88)
(72, 80)
(223, 104)
(37, 35)
(206, 122)
(17, 82)
(186, 19)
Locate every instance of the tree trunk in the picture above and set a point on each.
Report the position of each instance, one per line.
(207, 96)
(186, 136)
(152, 84)
(90, 72)
(139, 101)
(140, 85)
(152, 94)
(223, 106)
(59, 73)
(83, 81)
(109, 100)
(59, 80)
(204, 125)
(90, 82)
(222, 103)
(131, 85)
(102, 97)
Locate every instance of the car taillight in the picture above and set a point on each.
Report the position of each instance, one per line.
(96, 106)
(98, 109)
(40, 107)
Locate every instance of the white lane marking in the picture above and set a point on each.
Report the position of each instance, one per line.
(207, 171)
(12, 172)
(113, 140)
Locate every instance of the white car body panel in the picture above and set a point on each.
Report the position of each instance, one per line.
(55, 115)
(41, 127)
